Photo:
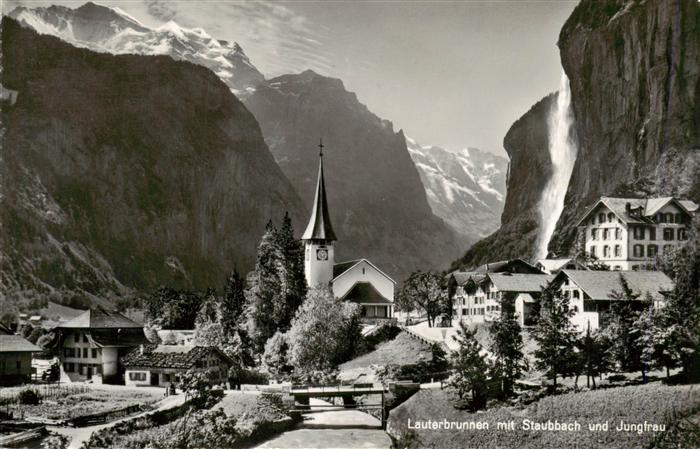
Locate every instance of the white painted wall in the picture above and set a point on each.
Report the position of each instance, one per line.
(318, 272)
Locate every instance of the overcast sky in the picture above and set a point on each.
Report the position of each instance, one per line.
(453, 74)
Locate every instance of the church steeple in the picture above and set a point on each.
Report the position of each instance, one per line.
(319, 236)
(319, 227)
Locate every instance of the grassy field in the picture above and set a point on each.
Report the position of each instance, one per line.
(67, 402)
(654, 403)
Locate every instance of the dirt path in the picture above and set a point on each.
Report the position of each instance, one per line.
(78, 435)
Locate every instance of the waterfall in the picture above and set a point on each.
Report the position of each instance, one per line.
(562, 152)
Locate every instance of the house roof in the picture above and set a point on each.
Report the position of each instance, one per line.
(99, 319)
(364, 293)
(15, 343)
(649, 207)
(516, 282)
(461, 277)
(319, 227)
(169, 356)
(511, 265)
(123, 337)
(600, 284)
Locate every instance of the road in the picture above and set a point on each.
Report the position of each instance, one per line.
(333, 429)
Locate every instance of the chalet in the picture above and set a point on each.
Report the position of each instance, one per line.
(15, 358)
(90, 345)
(591, 293)
(165, 364)
(481, 295)
(358, 281)
(632, 233)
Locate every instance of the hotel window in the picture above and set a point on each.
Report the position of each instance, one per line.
(593, 251)
(611, 217)
(618, 234)
(638, 233)
(638, 251)
(606, 251)
(94, 353)
(594, 234)
(652, 250)
(669, 218)
(606, 234)
(85, 353)
(668, 234)
(601, 218)
(618, 251)
(652, 233)
(682, 234)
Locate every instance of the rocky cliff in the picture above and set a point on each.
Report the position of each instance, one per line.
(378, 204)
(635, 85)
(635, 91)
(124, 172)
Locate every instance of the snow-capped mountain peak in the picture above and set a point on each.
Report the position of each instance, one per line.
(466, 188)
(111, 30)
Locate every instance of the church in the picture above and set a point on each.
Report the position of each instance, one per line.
(359, 281)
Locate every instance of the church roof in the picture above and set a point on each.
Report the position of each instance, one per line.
(319, 227)
(365, 293)
(341, 268)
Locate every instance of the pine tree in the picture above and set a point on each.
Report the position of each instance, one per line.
(620, 330)
(470, 368)
(292, 272)
(233, 303)
(264, 296)
(555, 335)
(593, 353)
(507, 345)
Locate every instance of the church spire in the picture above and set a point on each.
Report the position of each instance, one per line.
(319, 227)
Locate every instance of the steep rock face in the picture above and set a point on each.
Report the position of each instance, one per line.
(527, 145)
(111, 30)
(377, 202)
(635, 84)
(465, 188)
(126, 171)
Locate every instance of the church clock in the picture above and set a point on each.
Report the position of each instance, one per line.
(321, 254)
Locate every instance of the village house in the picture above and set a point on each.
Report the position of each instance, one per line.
(591, 293)
(165, 364)
(632, 233)
(481, 295)
(90, 345)
(358, 281)
(554, 266)
(15, 358)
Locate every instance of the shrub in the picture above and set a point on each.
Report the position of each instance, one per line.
(29, 397)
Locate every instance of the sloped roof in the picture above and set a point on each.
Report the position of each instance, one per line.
(553, 264)
(600, 284)
(506, 265)
(342, 267)
(506, 282)
(99, 319)
(363, 293)
(649, 207)
(461, 277)
(319, 227)
(690, 206)
(124, 337)
(170, 356)
(654, 204)
(15, 343)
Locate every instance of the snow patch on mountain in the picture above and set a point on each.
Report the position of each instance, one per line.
(111, 30)
(466, 188)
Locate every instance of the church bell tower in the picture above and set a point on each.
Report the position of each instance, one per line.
(319, 236)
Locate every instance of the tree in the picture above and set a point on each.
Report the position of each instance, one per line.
(507, 345)
(555, 335)
(168, 308)
(681, 314)
(292, 272)
(470, 368)
(624, 348)
(593, 350)
(424, 290)
(264, 297)
(275, 357)
(319, 331)
(233, 302)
